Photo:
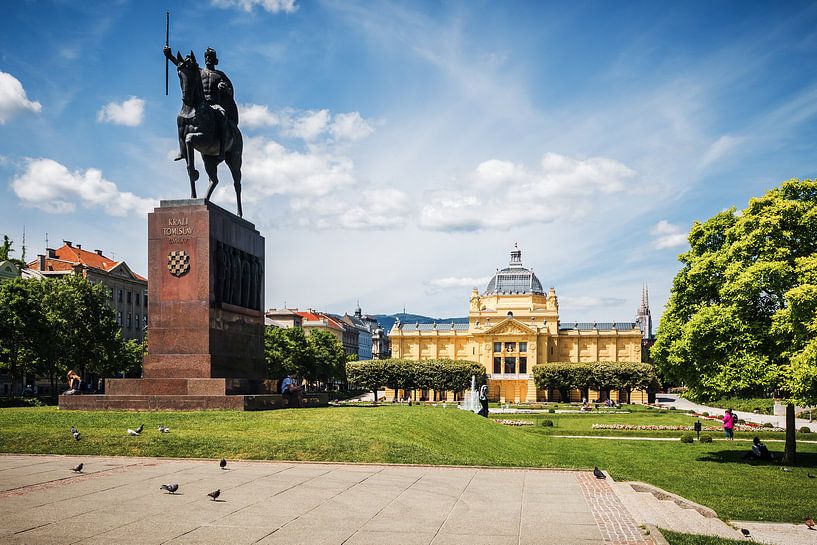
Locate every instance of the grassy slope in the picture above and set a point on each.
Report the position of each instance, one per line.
(674, 538)
(713, 474)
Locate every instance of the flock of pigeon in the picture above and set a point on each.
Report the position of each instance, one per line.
(171, 488)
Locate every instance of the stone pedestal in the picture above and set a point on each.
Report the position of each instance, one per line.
(206, 323)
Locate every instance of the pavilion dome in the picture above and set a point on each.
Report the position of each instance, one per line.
(514, 279)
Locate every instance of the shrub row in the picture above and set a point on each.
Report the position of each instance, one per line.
(402, 374)
(599, 375)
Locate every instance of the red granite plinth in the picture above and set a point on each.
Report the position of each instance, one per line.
(206, 330)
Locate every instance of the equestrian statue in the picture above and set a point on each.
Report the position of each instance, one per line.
(208, 120)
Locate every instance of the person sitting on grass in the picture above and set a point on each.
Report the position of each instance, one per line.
(292, 390)
(758, 452)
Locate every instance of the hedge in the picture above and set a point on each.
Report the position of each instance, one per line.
(600, 375)
(403, 374)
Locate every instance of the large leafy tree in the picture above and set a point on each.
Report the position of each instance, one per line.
(84, 325)
(24, 329)
(328, 356)
(741, 315)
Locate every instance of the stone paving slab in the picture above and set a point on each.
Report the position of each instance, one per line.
(118, 500)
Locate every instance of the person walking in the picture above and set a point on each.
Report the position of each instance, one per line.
(483, 400)
(729, 425)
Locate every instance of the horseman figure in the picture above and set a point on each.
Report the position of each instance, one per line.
(208, 121)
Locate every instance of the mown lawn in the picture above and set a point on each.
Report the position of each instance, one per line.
(711, 474)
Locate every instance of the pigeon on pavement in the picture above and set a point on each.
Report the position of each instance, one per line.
(215, 494)
(77, 468)
(140, 428)
(810, 523)
(222, 464)
(745, 532)
(133, 432)
(170, 487)
(598, 473)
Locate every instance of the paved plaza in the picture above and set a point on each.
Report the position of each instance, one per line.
(118, 501)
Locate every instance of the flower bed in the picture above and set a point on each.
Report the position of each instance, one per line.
(739, 427)
(513, 422)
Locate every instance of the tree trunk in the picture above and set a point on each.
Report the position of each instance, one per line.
(790, 452)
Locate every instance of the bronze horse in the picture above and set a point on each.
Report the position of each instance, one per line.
(202, 127)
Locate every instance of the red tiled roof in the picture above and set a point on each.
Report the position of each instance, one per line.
(67, 257)
(319, 316)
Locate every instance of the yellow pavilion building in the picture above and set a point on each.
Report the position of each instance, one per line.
(512, 326)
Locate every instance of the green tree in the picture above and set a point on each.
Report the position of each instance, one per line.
(287, 352)
(6, 249)
(368, 374)
(87, 337)
(741, 315)
(24, 329)
(328, 354)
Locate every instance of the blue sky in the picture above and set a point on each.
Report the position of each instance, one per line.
(395, 151)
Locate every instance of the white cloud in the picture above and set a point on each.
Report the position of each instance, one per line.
(459, 282)
(271, 169)
(50, 186)
(379, 209)
(13, 99)
(272, 6)
(719, 148)
(257, 115)
(668, 235)
(505, 195)
(308, 125)
(129, 113)
(350, 126)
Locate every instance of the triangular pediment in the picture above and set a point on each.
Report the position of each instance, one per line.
(122, 269)
(510, 326)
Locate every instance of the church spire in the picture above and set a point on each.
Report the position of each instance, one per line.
(644, 318)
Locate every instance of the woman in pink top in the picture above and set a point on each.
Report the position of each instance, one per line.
(729, 425)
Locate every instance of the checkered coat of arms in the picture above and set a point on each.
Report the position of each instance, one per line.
(178, 262)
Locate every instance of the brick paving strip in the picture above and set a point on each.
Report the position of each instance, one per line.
(615, 522)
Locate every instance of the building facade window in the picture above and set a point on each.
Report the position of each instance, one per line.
(510, 365)
(119, 317)
(523, 365)
(523, 347)
(497, 364)
(130, 296)
(138, 299)
(145, 320)
(137, 321)
(146, 300)
(510, 347)
(129, 320)
(120, 295)
(497, 347)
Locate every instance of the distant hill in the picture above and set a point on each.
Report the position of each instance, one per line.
(386, 321)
